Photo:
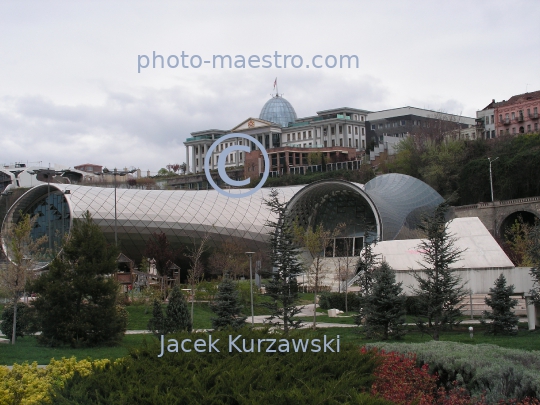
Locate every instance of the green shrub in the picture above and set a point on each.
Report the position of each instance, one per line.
(499, 372)
(26, 320)
(228, 378)
(337, 301)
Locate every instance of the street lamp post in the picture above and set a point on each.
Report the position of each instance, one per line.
(117, 173)
(490, 176)
(250, 254)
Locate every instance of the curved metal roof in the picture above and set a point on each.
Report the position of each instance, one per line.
(279, 111)
(401, 201)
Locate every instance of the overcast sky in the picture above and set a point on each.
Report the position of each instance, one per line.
(70, 91)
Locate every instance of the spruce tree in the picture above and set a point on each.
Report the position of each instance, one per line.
(440, 290)
(156, 324)
(227, 306)
(385, 306)
(504, 320)
(283, 286)
(77, 301)
(365, 269)
(178, 316)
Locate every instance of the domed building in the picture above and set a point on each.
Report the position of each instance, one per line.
(279, 111)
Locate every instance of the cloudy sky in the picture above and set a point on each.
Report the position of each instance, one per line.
(70, 91)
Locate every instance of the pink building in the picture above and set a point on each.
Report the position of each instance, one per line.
(518, 115)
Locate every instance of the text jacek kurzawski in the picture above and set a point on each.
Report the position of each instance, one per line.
(236, 344)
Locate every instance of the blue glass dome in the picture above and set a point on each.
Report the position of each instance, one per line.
(279, 111)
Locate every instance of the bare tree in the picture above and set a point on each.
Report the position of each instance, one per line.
(315, 242)
(196, 270)
(346, 268)
(230, 259)
(23, 254)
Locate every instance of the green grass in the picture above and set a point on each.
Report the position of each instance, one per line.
(138, 319)
(27, 349)
(524, 340)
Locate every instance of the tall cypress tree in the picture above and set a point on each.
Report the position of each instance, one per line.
(504, 320)
(385, 306)
(440, 290)
(227, 306)
(283, 286)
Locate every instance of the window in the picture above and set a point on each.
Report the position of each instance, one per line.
(340, 129)
(333, 142)
(500, 117)
(350, 143)
(535, 110)
(487, 120)
(304, 135)
(536, 126)
(402, 122)
(340, 141)
(294, 137)
(362, 118)
(363, 131)
(355, 117)
(309, 133)
(513, 115)
(356, 130)
(493, 119)
(325, 144)
(493, 134)
(356, 141)
(332, 130)
(514, 130)
(373, 126)
(363, 144)
(196, 150)
(381, 126)
(288, 137)
(501, 132)
(529, 128)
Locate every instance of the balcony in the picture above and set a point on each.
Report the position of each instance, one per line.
(505, 121)
(519, 118)
(533, 116)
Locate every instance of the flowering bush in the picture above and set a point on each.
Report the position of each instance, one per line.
(26, 384)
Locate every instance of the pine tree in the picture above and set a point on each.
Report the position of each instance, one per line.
(227, 306)
(178, 317)
(156, 324)
(77, 299)
(385, 307)
(504, 320)
(283, 286)
(439, 290)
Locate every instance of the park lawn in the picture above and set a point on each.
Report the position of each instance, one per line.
(138, 319)
(27, 349)
(524, 340)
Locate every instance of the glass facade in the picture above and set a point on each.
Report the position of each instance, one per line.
(279, 111)
(52, 218)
